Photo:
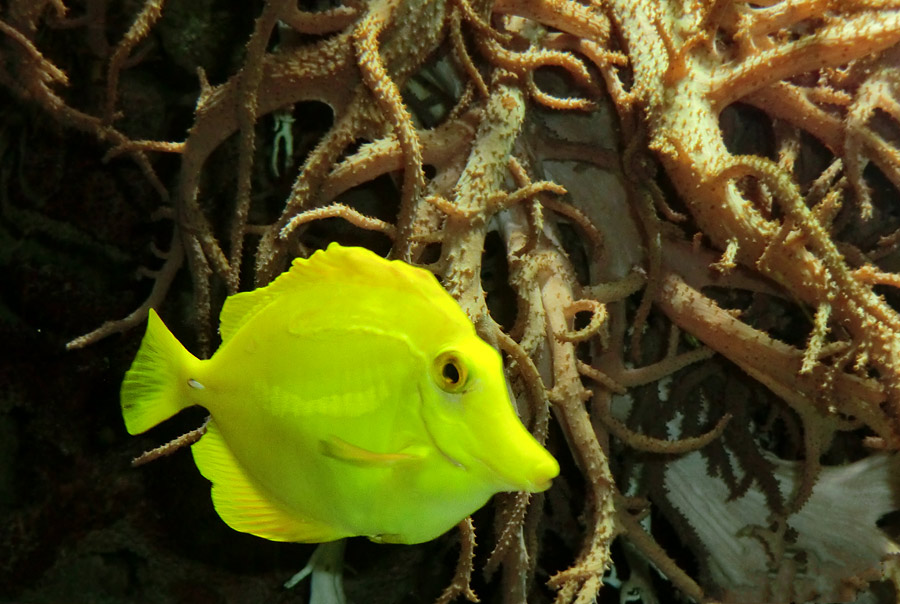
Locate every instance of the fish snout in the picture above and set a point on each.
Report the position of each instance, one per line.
(528, 468)
(543, 473)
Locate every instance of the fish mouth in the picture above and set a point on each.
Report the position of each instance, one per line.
(540, 487)
(516, 485)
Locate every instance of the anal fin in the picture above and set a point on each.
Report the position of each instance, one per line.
(242, 505)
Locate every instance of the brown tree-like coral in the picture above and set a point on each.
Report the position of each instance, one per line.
(678, 220)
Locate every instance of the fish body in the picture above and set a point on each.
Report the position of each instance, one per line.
(351, 396)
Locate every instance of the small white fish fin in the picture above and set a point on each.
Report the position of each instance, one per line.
(338, 448)
(153, 388)
(242, 505)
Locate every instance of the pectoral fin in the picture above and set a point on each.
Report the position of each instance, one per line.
(338, 448)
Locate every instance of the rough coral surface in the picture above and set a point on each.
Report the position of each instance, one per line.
(678, 220)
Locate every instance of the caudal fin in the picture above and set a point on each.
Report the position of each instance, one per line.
(154, 387)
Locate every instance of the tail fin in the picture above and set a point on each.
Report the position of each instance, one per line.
(154, 387)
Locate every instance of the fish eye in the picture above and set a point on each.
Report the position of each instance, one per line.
(451, 372)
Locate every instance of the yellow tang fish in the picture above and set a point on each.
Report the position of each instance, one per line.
(351, 396)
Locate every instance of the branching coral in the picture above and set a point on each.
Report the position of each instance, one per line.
(669, 180)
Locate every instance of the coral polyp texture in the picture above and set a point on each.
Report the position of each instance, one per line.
(678, 220)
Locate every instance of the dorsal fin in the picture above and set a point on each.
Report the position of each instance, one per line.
(240, 503)
(239, 309)
(344, 265)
